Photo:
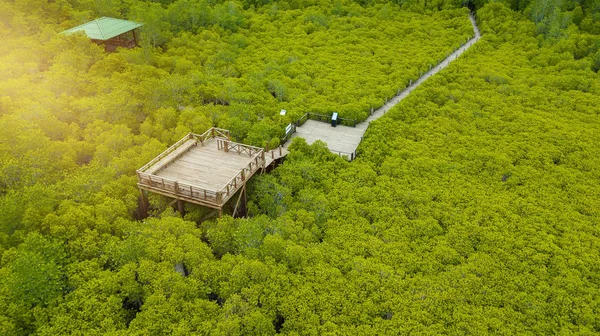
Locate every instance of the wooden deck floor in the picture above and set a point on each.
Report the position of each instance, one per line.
(205, 166)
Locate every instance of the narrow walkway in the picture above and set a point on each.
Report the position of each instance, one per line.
(343, 140)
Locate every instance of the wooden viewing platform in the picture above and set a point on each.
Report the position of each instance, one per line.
(206, 169)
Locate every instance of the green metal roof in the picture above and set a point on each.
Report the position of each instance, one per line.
(104, 28)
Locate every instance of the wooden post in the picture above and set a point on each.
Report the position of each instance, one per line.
(143, 205)
(245, 200)
(181, 208)
(242, 192)
(225, 146)
(135, 38)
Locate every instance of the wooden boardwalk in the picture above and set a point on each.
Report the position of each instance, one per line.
(209, 169)
(206, 169)
(344, 140)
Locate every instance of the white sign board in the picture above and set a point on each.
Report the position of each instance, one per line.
(282, 112)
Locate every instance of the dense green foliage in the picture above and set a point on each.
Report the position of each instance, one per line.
(472, 208)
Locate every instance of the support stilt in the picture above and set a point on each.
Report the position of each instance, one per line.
(243, 192)
(181, 208)
(245, 200)
(143, 205)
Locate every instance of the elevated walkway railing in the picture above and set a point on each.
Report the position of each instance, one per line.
(184, 144)
(195, 194)
(324, 118)
(257, 161)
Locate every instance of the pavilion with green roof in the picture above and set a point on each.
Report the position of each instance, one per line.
(110, 32)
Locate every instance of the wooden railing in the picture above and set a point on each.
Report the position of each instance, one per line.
(347, 122)
(177, 189)
(230, 146)
(302, 120)
(167, 152)
(202, 138)
(274, 153)
(213, 132)
(319, 117)
(257, 162)
(287, 136)
(324, 118)
(345, 155)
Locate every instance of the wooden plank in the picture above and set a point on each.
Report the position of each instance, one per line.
(171, 156)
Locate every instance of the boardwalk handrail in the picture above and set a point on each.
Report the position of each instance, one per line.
(231, 146)
(342, 154)
(324, 118)
(212, 132)
(287, 136)
(348, 121)
(202, 138)
(257, 161)
(302, 120)
(165, 153)
(319, 117)
(178, 189)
